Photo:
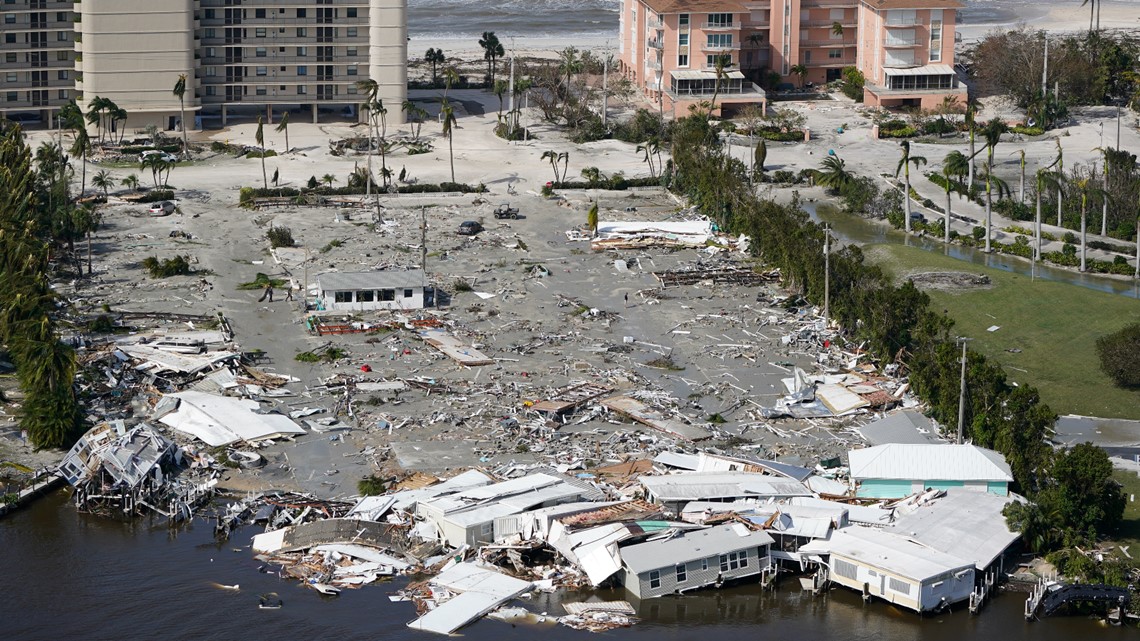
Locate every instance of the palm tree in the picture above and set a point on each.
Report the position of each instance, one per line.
(416, 115)
(1046, 179)
(81, 147)
(1059, 161)
(837, 28)
(991, 132)
(492, 51)
(564, 158)
(971, 124)
(95, 110)
(904, 166)
(570, 64)
(1087, 188)
(435, 57)
(592, 219)
(833, 174)
(154, 163)
(1092, 6)
(180, 91)
(802, 72)
(449, 126)
(371, 89)
(592, 175)
(993, 183)
(552, 156)
(954, 164)
(130, 182)
(1021, 186)
(118, 115)
(500, 88)
(283, 126)
(328, 179)
(649, 148)
(259, 137)
(720, 63)
(450, 77)
(103, 180)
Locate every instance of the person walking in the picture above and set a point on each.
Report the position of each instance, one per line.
(268, 293)
(289, 294)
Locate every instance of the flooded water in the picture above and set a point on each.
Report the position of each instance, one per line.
(852, 229)
(71, 576)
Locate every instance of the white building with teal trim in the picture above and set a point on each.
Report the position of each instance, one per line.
(897, 470)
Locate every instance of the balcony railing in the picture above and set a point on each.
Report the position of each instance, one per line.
(708, 47)
(846, 23)
(654, 22)
(655, 44)
(713, 26)
(898, 63)
(653, 65)
(845, 61)
(900, 42)
(833, 44)
(893, 23)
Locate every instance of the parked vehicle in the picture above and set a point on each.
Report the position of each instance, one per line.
(155, 152)
(469, 228)
(164, 208)
(504, 210)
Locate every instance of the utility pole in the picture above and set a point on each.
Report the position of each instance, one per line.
(1118, 127)
(1045, 72)
(605, 86)
(423, 253)
(962, 393)
(826, 275)
(511, 97)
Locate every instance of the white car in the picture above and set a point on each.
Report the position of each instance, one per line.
(164, 208)
(165, 157)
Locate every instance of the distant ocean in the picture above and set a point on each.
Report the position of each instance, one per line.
(468, 19)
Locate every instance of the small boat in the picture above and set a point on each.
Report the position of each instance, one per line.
(235, 587)
(269, 602)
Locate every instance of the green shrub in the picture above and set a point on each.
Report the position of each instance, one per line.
(1071, 238)
(1119, 355)
(267, 153)
(771, 133)
(280, 237)
(177, 266)
(157, 195)
(978, 233)
(371, 485)
(853, 83)
(1027, 131)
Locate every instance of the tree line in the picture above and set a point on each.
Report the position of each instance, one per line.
(895, 323)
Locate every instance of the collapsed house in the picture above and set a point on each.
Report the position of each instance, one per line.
(674, 491)
(695, 559)
(115, 469)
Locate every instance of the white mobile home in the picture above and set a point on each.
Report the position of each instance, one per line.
(674, 491)
(366, 291)
(695, 560)
(894, 568)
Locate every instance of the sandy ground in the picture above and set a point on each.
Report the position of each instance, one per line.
(1054, 17)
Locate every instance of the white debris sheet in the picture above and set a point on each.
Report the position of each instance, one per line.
(221, 420)
(692, 232)
(453, 348)
(481, 591)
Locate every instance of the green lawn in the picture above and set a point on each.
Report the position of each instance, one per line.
(1055, 325)
(1129, 532)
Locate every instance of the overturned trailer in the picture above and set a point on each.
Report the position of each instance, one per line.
(129, 471)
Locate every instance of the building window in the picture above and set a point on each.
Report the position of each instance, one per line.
(302, 90)
(352, 70)
(10, 18)
(302, 70)
(350, 32)
(12, 96)
(834, 54)
(302, 32)
(210, 33)
(10, 38)
(301, 13)
(351, 90)
(210, 14)
(211, 71)
(744, 559)
(63, 94)
(302, 52)
(259, 13)
(260, 91)
(654, 578)
(719, 40)
(350, 12)
(259, 52)
(261, 71)
(61, 74)
(704, 564)
(681, 574)
(731, 561)
(342, 297)
(683, 20)
(711, 59)
(366, 296)
(11, 56)
(387, 294)
(211, 90)
(350, 52)
(683, 60)
(487, 529)
(11, 76)
(720, 20)
(935, 38)
(407, 293)
(902, 587)
(63, 36)
(259, 32)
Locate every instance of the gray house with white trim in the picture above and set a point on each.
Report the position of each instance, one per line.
(695, 559)
(366, 291)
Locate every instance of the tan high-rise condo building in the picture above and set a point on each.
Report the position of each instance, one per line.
(269, 54)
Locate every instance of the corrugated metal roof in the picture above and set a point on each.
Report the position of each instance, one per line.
(693, 545)
(700, 485)
(888, 552)
(965, 524)
(388, 279)
(907, 426)
(949, 462)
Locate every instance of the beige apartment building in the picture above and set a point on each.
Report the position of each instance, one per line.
(274, 55)
(905, 48)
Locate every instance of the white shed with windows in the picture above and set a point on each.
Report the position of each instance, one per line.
(695, 559)
(365, 291)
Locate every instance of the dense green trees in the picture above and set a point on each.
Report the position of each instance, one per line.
(32, 205)
(1119, 355)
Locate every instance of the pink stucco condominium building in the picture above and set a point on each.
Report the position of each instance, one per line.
(905, 48)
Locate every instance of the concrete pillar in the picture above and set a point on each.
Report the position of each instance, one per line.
(315, 121)
(268, 114)
(224, 115)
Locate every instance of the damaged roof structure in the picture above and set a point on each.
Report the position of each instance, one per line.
(896, 470)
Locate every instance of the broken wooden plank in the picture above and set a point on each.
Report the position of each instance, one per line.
(642, 413)
(571, 397)
(454, 349)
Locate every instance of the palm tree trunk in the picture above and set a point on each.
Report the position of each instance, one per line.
(1084, 239)
(989, 204)
(368, 180)
(1021, 188)
(1059, 204)
(1104, 208)
(287, 148)
(89, 270)
(970, 179)
(185, 141)
(946, 231)
(1037, 228)
(906, 196)
(264, 176)
(83, 180)
(451, 154)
